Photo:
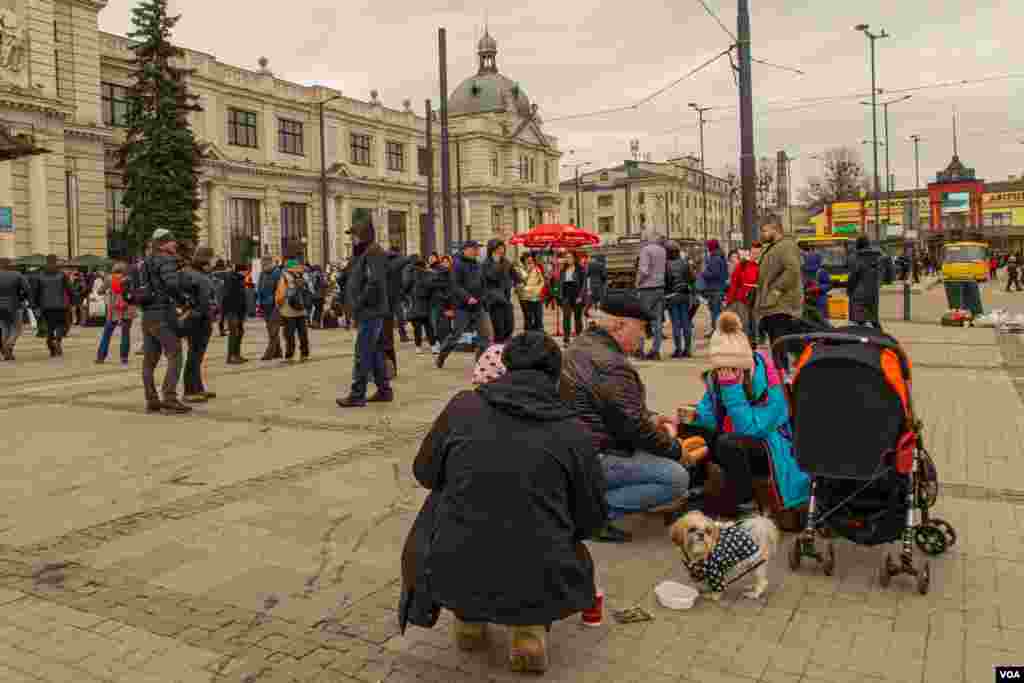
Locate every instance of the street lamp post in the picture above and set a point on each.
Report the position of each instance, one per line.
(872, 37)
(576, 170)
(703, 176)
(323, 181)
(888, 176)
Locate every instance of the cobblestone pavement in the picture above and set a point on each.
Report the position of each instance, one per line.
(258, 538)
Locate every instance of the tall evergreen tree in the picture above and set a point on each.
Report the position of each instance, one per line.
(160, 157)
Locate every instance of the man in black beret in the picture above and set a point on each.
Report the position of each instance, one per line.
(639, 450)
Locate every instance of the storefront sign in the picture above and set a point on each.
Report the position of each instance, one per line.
(6, 220)
(996, 200)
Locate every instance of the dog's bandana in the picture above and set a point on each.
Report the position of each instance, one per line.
(735, 554)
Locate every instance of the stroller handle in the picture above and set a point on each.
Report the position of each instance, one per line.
(781, 344)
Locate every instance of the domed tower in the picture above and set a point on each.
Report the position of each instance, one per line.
(489, 90)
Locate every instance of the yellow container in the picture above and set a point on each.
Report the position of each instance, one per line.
(838, 308)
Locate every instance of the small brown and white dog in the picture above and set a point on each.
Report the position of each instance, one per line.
(717, 554)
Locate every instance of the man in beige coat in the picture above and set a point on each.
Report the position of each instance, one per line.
(779, 285)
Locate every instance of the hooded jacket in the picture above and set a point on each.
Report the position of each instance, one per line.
(14, 289)
(743, 283)
(515, 486)
(816, 278)
(716, 272)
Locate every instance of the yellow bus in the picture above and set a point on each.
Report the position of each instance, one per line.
(835, 255)
(965, 261)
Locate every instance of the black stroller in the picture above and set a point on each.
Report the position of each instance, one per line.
(855, 434)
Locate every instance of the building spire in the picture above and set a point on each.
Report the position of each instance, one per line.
(955, 145)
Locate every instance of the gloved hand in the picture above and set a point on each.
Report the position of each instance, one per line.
(695, 449)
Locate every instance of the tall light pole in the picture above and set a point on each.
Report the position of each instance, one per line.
(888, 177)
(872, 37)
(323, 183)
(576, 167)
(748, 171)
(916, 139)
(703, 176)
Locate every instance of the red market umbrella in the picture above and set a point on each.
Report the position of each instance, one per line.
(556, 236)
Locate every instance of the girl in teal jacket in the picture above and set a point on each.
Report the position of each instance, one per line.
(757, 410)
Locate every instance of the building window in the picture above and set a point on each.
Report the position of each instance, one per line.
(293, 230)
(289, 136)
(495, 170)
(643, 220)
(547, 173)
(244, 224)
(361, 146)
(396, 156)
(606, 224)
(117, 219)
(533, 169)
(524, 171)
(497, 214)
(604, 177)
(242, 128)
(572, 204)
(640, 198)
(115, 104)
(605, 201)
(423, 161)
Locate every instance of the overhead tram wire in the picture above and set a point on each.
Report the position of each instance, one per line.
(656, 93)
(811, 102)
(719, 21)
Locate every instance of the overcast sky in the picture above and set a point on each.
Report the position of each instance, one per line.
(576, 56)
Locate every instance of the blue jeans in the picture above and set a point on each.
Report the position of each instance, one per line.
(653, 300)
(642, 482)
(682, 326)
(714, 298)
(108, 333)
(478, 321)
(369, 359)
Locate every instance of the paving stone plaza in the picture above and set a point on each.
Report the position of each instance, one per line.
(258, 538)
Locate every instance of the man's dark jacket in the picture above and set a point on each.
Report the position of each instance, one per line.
(161, 271)
(397, 265)
(865, 278)
(604, 387)
(467, 282)
(499, 277)
(366, 289)
(53, 291)
(14, 289)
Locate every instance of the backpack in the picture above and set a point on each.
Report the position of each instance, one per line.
(295, 292)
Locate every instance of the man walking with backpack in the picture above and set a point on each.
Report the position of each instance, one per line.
(157, 290)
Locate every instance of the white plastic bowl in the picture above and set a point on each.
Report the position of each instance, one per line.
(675, 595)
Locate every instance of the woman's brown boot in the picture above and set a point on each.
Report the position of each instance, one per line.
(469, 637)
(529, 651)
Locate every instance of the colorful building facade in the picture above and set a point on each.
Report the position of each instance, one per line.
(957, 206)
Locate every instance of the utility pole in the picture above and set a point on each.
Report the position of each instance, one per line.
(576, 170)
(458, 188)
(703, 176)
(747, 169)
(872, 37)
(323, 184)
(446, 181)
(889, 184)
(431, 240)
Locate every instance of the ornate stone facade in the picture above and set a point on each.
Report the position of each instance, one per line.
(261, 182)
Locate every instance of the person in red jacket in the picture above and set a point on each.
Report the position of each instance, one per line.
(741, 294)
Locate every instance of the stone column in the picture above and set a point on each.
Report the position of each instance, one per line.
(412, 230)
(332, 228)
(39, 209)
(7, 240)
(380, 222)
(216, 229)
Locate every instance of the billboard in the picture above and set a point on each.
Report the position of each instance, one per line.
(955, 203)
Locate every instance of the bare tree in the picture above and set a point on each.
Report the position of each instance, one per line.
(843, 179)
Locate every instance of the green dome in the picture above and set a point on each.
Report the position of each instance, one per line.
(488, 90)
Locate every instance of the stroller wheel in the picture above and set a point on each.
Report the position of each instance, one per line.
(947, 529)
(930, 539)
(829, 565)
(924, 579)
(795, 551)
(885, 574)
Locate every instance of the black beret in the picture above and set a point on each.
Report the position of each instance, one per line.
(625, 304)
